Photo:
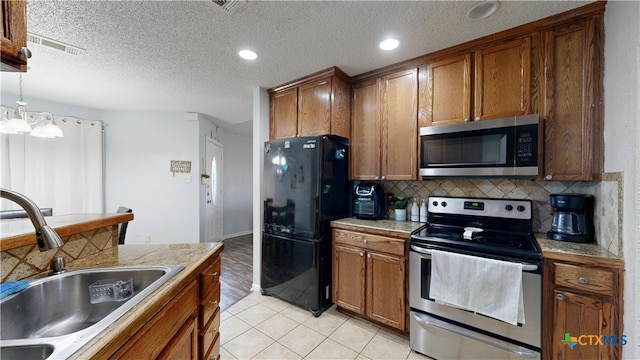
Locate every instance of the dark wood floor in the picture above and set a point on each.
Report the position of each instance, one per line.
(237, 270)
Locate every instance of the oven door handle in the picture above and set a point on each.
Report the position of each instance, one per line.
(519, 351)
(421, 250)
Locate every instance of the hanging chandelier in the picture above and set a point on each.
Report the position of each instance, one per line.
(44, 124)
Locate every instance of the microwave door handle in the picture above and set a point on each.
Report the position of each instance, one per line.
(525, 266)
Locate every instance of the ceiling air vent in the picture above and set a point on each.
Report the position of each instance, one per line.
(227, 4)
(54, 44)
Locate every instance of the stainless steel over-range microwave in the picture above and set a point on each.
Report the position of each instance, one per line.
(489, 148)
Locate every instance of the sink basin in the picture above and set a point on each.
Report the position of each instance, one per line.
(32, 352)
(63, 310)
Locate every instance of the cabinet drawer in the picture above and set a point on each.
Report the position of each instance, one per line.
(370, 242)
(209, 336)
(209, 276)
(595, 280)
(209, 305)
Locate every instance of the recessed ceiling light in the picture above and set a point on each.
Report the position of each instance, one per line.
(483, 10)
(248, 54)
(389, 44)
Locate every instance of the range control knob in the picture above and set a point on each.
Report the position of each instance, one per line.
(435, 203)
(508, 207)
(520, 208)
(444, 204)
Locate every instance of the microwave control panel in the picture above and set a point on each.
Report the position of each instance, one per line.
(527, 145)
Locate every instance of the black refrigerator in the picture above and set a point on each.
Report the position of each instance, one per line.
(305, 186)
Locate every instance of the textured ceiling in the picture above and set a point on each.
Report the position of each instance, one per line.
(182, 55)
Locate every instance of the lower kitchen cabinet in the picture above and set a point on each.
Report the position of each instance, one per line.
(585, 301)
(187, 327)
(369, 276)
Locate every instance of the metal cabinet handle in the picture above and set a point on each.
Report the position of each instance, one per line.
(548, 177)
(560, 297)
(365, 241)
(377, 177)
(214, 303)
(382, 177)
(478, 118)
(583, 280)
(25, 52)
(466, 119)
(369, 256)
(361, 253)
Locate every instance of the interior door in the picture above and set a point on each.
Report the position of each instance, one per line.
(213, 208)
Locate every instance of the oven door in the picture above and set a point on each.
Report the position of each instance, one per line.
(432, 324)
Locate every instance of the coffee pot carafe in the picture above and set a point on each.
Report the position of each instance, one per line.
(572, 218)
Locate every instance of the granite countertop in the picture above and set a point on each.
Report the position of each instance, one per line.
(581, 252)
(192, 256)
(382, 227)
(19, 232)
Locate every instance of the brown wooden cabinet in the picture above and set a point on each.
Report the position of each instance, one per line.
(187, 327)
(369, 276)
(168, 332)
(447, 84)
(314, 105)
(384, 122)
(583, 300)
(498, 85)
(14, 35)
(502, 80)
(573, 128)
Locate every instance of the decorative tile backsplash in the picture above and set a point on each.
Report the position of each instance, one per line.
(607, 194)
(27, 261)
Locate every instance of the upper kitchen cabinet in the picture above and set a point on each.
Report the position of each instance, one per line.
(447, 90)
(502, 80)
(384, 123)
(317, 104)
(14, 36)
(488, 83)
(365, 132)
(573, 111)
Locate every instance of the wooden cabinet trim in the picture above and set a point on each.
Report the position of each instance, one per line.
(386, 300)
(326, 73)
(14, 34)
(586, 279)
(370, 242)
(455, 84)
(351, 298)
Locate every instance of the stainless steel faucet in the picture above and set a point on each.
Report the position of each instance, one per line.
(47, 237)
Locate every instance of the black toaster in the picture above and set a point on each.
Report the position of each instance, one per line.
(368, 201)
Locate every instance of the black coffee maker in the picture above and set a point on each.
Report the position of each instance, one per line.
(572, 218)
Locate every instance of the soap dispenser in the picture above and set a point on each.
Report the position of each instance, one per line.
(423, 211)
(415, 211)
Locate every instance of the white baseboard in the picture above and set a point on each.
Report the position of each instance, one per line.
(255, 287)
(242, 233)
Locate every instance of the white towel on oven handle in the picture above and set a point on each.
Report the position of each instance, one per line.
(482, 285)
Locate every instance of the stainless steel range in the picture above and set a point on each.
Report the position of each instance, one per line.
(499, 229)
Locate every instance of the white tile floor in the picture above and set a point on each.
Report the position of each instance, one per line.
(263, 327)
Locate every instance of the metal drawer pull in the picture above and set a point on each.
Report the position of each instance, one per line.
(369, 256)
(525, 267)
(361, 253)
(560, 297)
(583, 280)
(214, 302)
(365, 241)
(427, 321)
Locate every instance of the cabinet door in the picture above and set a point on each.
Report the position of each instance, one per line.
(349, 278)
(14, 34)
(386, 289)
(400, 126)
(184, 344)
(573, 133)
(448, 91)
(578, 315)
(502, 80)
(314, 108)
(284, 114)
(364, 145)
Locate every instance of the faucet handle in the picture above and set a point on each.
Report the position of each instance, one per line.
(57, 265)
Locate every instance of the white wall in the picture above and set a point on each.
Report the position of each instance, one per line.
(139, 149)
(260, 135)
(237, 181)
(622, 145)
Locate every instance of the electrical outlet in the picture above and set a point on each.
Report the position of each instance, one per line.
(187, 178)
(147, 239)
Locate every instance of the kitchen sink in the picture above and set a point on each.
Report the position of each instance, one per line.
(31, 352)
(65, 311)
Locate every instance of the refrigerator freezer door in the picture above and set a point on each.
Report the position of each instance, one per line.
(297, 271)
